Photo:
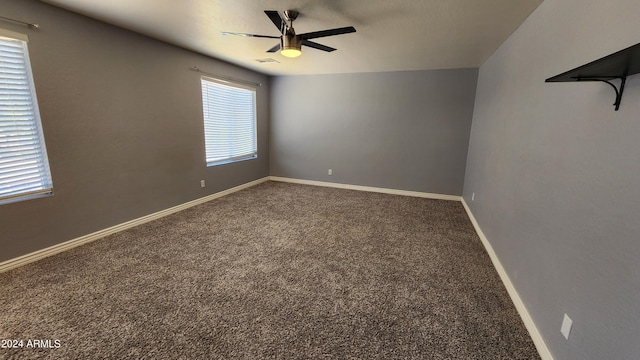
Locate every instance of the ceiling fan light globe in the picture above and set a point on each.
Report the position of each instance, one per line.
(291, 52)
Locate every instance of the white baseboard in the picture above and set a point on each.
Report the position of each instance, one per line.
(368, 188)
(543, 350)
(55, 249)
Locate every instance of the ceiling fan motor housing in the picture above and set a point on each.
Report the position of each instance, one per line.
(290, 42)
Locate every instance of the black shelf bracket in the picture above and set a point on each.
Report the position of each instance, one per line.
(616, 66)
(619, 90)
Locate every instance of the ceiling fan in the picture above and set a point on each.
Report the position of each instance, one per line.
(291, 43)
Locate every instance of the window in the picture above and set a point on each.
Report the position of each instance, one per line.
(229, 122)
(24, 168)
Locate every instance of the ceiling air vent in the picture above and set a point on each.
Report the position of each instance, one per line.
(267, 60)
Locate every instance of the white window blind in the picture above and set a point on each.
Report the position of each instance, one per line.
(229, 122)
(24, 168)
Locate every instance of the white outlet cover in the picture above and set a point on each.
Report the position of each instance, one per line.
(566, 326)
(473, 196)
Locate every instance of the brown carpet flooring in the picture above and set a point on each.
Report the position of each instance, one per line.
(277, 271)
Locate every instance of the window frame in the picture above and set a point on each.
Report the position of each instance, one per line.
(254, 121)
(44, 174)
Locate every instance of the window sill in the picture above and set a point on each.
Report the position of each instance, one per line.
(229, 161)
(25, 197)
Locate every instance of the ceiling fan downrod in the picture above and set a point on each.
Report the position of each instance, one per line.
(290, 16)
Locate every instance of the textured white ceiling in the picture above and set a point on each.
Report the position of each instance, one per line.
(392, 35)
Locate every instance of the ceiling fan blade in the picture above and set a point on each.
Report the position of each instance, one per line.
(330, 32)
(277, 20)
(274, 49)
(249, 35)
(315, 45)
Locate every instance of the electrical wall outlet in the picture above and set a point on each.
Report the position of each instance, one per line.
(330, 172)
(473, 196)
(565, 329)
(202, 183)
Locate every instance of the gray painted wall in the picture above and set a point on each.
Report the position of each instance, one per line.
(400, 130)
(122, 117)
(555, 172)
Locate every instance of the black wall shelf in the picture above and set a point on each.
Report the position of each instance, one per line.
(618, 65)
